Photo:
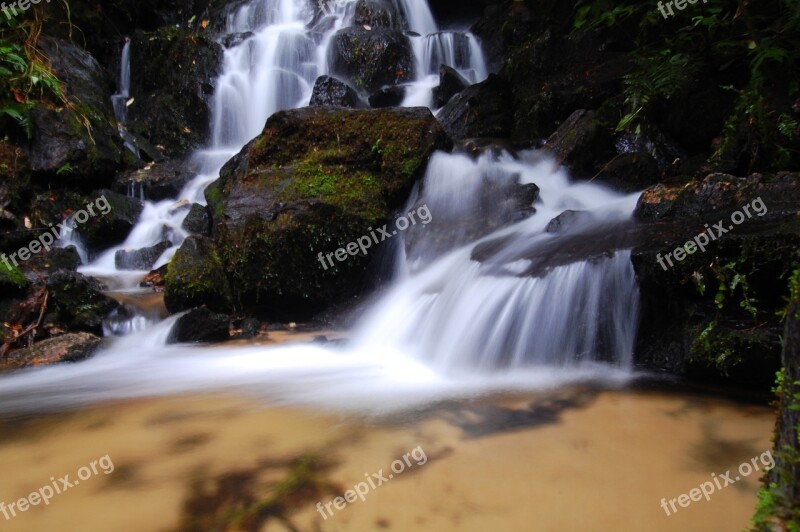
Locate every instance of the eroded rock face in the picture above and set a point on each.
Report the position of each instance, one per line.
(62, 143)
(173, 88)
(313, 181)
(72, 347)
(481, 110)
(371, 59)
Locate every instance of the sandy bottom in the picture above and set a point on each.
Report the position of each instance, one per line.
(572, 459)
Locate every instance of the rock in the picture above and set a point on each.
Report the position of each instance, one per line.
(173, 87)
(649, 138)
(198, 221)
(72, 347)
(371, 59)
(249, 328)
(62, 144)
(156, 181)
(140, 259)
(565, 220)
(331, 91)
(579, 142)
(103, 231)
(200, 325)
(196, 277)
(56, 259)
(629, 172)
(154, 279)
(377, 14)
(481, 110)
(477, 147)
(718, 195)
(77, 302)
(314, 180)
(388, 97)
(450, 84)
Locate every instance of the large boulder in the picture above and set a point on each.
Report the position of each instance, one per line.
(79, 143)
(315, 180)
(481, 110)
(371, 58)
(173, 85)
(196, 277)
(77, 302)
(72, 347)
(377, 14)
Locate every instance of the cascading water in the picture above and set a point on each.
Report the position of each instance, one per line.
(471, 311)
(120, 100)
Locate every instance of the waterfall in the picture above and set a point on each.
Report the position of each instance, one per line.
(487, 297)
(120, 100)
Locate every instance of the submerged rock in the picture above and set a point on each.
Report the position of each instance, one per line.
(72, 347)
(200, 325)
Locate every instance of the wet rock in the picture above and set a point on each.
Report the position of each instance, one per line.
(481, 110)
(154, 279)
(140, 259)
(54, 260)
(377, 14)
(450, 84)
(325, 176)
(72, 347)
(235, 39)
(249, 328)
(477, 147)
(62, 143)
(565, 220)
(105, 230)
(649, 138)
(629, 172)
(200, 325)
(173, 88)
(195, 277)
(371, 59)
(198, 221)
(579, 142)
(156, 181)
(388, 97)
(77, 302)
(331, 91)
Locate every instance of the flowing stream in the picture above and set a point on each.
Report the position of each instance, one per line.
(468, 313)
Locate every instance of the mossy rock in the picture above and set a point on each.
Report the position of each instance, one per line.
(195, 277)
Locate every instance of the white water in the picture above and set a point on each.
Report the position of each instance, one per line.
(449, 327)
(120, 100)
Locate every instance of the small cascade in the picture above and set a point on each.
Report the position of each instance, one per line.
(70, 237)
(122, 97)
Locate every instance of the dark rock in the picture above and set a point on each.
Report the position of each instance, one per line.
(331, 91)
(106, 230)
(325, 176)
(200, 325)
(320, 339)
(140, 259)
(579, 142)
(388, 97)
(157, 181)
(77, 302)
(72, 347)
(198, 221)
(55, 259)
(629, 172)
(235, 39)
(377, 14)
(565, 220)
(173, 87)
(371, 59)
(650, 139)
(477, 147)
(481, 110)
(450, 84)
(250, 328)
(62, 143)
(196, 277)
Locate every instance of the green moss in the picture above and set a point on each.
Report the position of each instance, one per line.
(11, 274)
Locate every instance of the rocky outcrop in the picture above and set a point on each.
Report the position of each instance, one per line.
(314, 180)
(72, 347)
(173, 88)
(200, 325)
(156, 181)
(198, 221)
(707, 275)
(331, 91)
(78, 143)
(479, 111)
(371, 58)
